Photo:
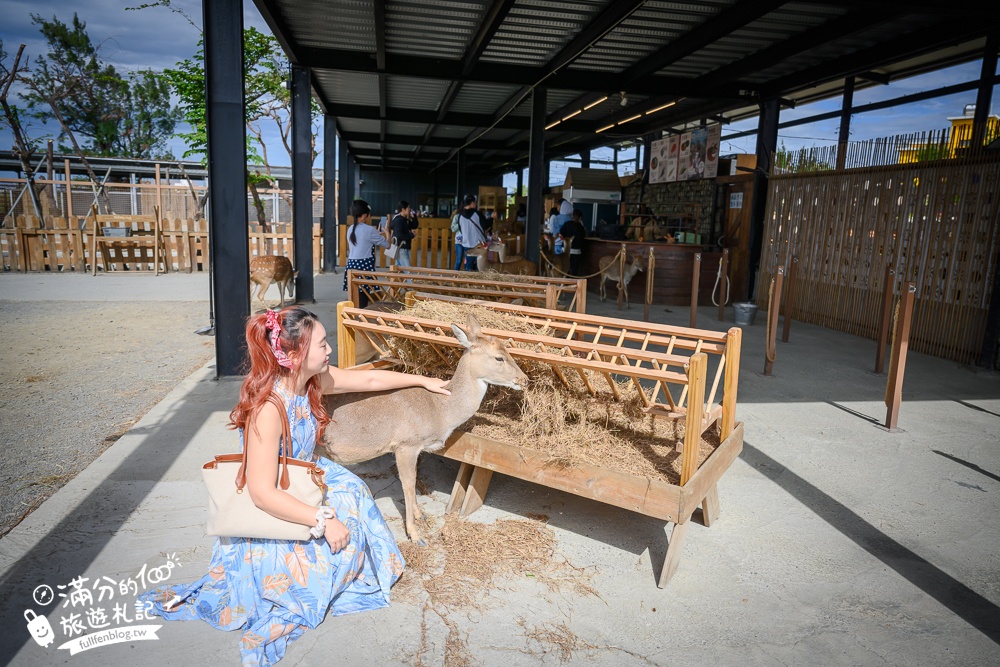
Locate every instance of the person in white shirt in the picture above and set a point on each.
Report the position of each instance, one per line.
(471, 229)
(362, 240)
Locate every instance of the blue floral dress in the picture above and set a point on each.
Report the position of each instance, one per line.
(273, 589)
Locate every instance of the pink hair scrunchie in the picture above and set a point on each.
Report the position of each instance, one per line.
(274, 326)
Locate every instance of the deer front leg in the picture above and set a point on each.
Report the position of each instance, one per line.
(602, 287)
(406, 463)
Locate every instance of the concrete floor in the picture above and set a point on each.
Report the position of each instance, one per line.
(838, 543)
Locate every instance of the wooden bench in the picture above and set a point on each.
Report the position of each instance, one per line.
(391, 285)
(660, 360)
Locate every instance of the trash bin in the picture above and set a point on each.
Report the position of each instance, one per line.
(745, 313)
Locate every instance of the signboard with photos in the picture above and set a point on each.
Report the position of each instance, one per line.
(685, 157)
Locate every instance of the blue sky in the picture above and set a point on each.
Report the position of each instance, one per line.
(157, 38)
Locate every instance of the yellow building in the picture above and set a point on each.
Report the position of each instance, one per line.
(958, 138)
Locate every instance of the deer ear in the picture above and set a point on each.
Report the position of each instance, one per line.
(462, 337)
(472, 324)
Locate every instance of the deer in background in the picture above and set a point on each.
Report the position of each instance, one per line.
(408, 421)
(610, 270)
(269, 269)
(560, 261)
(515, 265)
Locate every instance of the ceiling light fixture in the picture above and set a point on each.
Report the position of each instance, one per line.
(665, 106)
(579, 111)
(624, 96)
(606, 127)
(622, 122)
(594, 104)
(550, 126)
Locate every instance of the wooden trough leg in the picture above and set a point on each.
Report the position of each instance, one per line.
(476, 492)
(461, 486)
(710, 506)
(673, 558)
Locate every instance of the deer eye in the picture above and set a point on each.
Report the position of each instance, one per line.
(500, 359)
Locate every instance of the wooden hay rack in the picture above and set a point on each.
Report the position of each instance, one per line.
(669, 367)
(392, 285)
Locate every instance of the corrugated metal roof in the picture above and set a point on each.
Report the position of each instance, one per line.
(426, 43)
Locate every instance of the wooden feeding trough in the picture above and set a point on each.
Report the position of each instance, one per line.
(391, 285)
(668, 366)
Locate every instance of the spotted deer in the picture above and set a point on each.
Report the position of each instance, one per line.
(610, 270)
(412, 420)
(269, 269)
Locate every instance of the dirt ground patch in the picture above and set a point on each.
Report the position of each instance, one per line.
(75, 376)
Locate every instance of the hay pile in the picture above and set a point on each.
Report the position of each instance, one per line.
(568, 424)
(466, 560)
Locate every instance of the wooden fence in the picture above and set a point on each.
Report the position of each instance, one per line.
(935, 223)
(69, 245)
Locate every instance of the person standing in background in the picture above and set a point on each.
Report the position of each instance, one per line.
(401, 228)
(471, 230)
(574, 232)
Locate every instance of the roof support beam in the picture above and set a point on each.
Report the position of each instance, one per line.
(767, 144)
(302, 217)
(378, 9)
(844, 135)
(537, 175)
(225, 107)
(491, 23)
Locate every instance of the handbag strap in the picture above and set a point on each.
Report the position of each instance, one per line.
(283, 446)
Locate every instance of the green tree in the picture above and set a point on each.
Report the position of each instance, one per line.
(117, 116)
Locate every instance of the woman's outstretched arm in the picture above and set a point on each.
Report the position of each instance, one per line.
(340, 381)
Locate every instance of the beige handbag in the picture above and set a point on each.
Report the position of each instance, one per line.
(232, 513)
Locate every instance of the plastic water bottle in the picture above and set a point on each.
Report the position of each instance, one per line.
(559, 245)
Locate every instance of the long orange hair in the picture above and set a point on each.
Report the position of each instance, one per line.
(297, 326)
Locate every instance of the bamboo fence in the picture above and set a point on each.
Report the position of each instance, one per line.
(935, 222)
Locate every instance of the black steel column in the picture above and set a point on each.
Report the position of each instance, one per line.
(228, 231)
(985, 94)
(585, 159)
(330, 236)
(845, 122)
(767, 144)
(302, 216)
(520, 183)
(434, 205)
(460, 179)
(537, 173)
(647, 153)
(345, 181)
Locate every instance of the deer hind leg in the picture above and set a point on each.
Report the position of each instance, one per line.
(406, 463)
(281, 292)
(603, 278)
(261, 291)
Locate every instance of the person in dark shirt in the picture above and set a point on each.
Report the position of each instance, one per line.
(401, 228)
(574, 230)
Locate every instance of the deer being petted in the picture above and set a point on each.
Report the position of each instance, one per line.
(610, 269)
(269, 269)
(413, 420)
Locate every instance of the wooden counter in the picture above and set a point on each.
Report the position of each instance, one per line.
(672, 279)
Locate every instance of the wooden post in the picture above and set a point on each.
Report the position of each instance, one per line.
(621, 274)
(650, 269)
(697, 369)
(353, 290)
(723, 284)
(695, 279)
(93, 239)
(734, 341)
(156, 240)
(345, 338)
(551, 297)
(770, 352)
(897, 365)
(883, 326)
(581, 295)
(788, 301)
(68, 199)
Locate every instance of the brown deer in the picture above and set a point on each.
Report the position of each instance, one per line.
(610, 269)
(514, 265)
(268, 269)
(560, 261)
(412, 420)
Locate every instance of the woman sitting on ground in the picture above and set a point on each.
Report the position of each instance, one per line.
(274, 589)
